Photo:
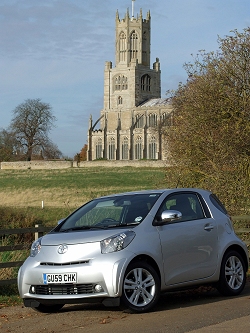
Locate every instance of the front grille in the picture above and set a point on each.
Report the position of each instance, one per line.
(63, 289)
(65, 263)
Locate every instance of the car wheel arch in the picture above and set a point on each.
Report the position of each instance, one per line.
(240, 250)
(149, 260)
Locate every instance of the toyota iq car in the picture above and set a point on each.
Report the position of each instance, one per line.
(130, 247)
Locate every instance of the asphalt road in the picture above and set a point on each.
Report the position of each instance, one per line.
(201, 310)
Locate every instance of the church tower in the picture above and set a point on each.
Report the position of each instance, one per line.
(133, 107)
(132, 81)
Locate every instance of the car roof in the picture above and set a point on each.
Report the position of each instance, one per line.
(158, 191)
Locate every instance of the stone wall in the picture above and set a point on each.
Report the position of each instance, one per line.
(22, 165)
(114, 164)
(36, 165)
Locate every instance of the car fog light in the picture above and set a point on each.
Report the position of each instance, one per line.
(98, 288)
(32, 290)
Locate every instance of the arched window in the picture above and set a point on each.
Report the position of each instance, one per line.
(125, 149)
(122, 46)
(138, 148)
(152, 120)
(98, 148)
(152, 148)
(119, 100)
(118, 83)
(145, 82)
(133, 45)
(111, 149)
(121, 82)
(124, 83)
(139, 121)
(144, 47)
(167, 119)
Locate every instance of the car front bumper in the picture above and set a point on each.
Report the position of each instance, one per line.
(97, 279)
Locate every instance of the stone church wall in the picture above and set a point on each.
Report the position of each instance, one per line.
(24, 165)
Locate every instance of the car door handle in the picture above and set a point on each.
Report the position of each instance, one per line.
(208, 227)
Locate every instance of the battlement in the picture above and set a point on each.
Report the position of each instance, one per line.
(139, 18)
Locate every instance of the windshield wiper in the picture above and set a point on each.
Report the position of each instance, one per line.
(83, 227)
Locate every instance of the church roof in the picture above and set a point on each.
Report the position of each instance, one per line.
(155, 102)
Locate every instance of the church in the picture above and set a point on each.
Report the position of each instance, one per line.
(130, 124)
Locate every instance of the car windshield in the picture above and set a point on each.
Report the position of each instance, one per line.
(107, 212)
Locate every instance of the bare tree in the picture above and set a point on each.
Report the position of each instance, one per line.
(31, 125)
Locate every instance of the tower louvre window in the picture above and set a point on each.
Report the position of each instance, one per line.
(133, 45)
(122, 46)
(144, 48)
(145, 83)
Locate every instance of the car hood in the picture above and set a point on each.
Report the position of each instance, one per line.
(79, 237)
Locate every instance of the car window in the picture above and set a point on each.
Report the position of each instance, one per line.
(217, 203)
(186, 203)
(111, 212)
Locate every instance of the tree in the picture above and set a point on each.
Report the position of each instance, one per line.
(31, 125)
(82, 156)
(210, 139)
(6, 145)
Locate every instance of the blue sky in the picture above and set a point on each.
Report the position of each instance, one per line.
(55, 50)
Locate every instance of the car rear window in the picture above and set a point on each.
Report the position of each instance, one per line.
(217, 203)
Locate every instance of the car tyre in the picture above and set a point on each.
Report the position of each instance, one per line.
(232, 275)
(141, 287)
(48, 308)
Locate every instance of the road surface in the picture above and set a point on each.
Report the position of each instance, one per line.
(202, 310)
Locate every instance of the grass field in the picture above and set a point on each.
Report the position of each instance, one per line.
(64, 190)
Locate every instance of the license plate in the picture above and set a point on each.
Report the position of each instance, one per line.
(59, 278)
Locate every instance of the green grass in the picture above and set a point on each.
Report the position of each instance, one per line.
(69, 188)
(121, 178)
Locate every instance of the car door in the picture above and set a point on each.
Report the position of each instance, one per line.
(189, 246)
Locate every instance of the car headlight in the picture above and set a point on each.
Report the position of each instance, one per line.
(35, 247)
(117, 242)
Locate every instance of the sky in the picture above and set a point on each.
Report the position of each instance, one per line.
(55, 50)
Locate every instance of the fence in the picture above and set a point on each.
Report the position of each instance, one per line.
(39, 230)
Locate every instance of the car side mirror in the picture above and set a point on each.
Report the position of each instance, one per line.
(168, 216)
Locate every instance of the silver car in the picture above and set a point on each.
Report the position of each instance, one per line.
(130, 247)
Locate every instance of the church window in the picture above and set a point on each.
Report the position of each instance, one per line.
(152, 120)
(152, 148)
(119, 100)
(111, 149)
(121, 82)
(98, 149)
(125, 149)
(133, 45)
(138, 148)
(144, 48)
(167, 119)
(122, 46)
(139, 121)
(145, 83)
